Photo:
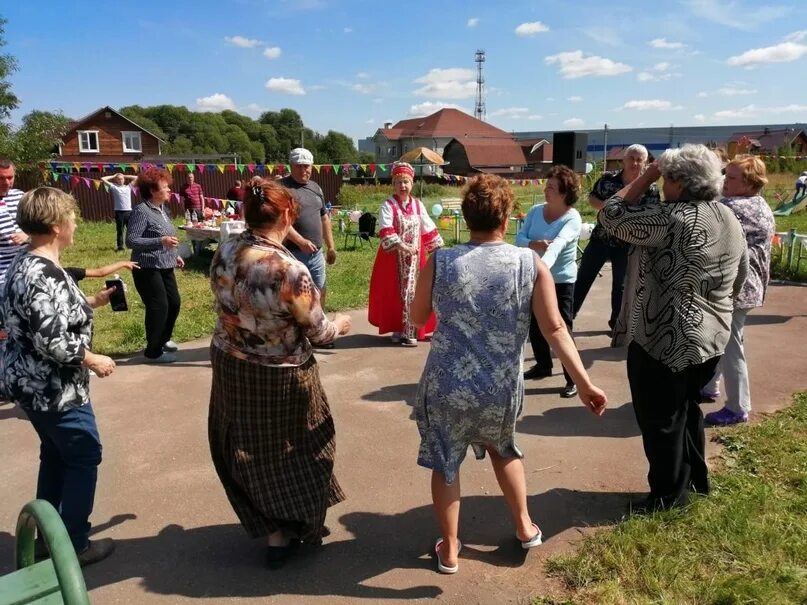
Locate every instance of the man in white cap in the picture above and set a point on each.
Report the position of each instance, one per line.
(313, 225)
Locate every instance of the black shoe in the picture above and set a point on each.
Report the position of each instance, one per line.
(536, 373)
(328, 345)
(276, 556)
(97, 550)
(569, 391)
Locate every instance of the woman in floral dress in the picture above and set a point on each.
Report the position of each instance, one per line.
(270, 428)
(408, 235)
(472, 387)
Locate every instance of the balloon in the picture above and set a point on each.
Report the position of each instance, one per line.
(355, 215)
(437, 210)
(589, 167)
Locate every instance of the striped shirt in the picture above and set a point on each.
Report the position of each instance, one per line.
(693, 263)
(147, 224)
(8, 225)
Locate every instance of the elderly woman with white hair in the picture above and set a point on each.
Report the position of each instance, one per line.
(603, 246)
(693, 262)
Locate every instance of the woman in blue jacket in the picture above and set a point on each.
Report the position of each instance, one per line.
(551, 230)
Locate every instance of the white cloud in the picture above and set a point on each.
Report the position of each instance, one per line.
(242, 42)
(656, 73)
(550, 99)
(574, 99)
(285, 85)
(535, 116)
(796, 36)
(253, 110)
(751, 111)
(429, 107)
(780, 53)
(362, 75)
(451, 83)
(663, 43)
(370, 121)
(512, 113)
(733, 91)
(732, 13)
(272, 52)
(364, 89)
(575, 65)
(473, 22)
(348, 30)
(699, 117)
(315, 87)
(573, 123)
(604, 35)
(646, 104)
(743, 112)
(379, 100)
(530, 29)
(215, 102)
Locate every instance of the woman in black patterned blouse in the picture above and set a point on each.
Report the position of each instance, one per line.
(693, 263)
(153, 239)
(47, 359)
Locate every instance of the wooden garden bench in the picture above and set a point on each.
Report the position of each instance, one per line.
(54, 581)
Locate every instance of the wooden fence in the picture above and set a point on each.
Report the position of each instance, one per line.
(95, 202)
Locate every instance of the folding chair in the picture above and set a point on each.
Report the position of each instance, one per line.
(365, 231)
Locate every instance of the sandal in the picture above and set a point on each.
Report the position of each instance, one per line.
(445, 568)
(534, 541)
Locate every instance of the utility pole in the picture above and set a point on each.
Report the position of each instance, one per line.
(605, 148)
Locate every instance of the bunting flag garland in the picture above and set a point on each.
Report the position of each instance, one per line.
(65, 170)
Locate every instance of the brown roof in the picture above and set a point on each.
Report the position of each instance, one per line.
(490, 154)
(77, 124)
(444, 123)
(768, 139)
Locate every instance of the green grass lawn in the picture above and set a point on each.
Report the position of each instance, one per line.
(348, 279)
(745, 543)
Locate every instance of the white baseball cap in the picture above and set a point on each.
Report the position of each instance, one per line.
(301, 156)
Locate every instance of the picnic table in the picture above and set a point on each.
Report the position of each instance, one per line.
(202, 234)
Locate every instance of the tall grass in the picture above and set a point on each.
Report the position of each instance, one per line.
(745, 543)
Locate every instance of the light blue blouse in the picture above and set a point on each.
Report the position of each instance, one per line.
(561, 255)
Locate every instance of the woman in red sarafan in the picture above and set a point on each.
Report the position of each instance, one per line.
(407, 235)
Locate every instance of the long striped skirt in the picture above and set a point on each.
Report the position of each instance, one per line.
(272, 440)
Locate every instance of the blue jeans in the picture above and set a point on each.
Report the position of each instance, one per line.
(315, 262)
(69, 455)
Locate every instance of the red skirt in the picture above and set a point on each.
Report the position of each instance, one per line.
(386, 295)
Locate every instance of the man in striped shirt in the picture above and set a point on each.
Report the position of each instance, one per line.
(12, 238)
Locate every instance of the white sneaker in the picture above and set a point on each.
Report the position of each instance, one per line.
(171, 347)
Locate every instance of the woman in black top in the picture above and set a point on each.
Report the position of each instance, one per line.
(153, 239)
(46, 363)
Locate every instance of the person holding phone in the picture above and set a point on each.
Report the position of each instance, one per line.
(47, 360)
(153, 240)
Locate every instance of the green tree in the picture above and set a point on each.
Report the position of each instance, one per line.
(337, 148)
(8, 65)
(39, 135)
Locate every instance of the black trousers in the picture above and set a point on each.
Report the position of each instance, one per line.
(667, 409)
(121, 223)
(594, 257)
(540, 347)
(158, 291)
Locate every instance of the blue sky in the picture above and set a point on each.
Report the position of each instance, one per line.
(351, 66)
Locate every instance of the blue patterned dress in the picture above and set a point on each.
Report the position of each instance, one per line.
(472, 389)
